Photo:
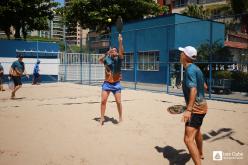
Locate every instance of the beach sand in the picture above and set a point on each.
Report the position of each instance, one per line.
(58, 124)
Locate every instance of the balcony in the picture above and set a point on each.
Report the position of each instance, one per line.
(100, 44)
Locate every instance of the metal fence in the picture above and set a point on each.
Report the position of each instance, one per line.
(81, 68)
(224, 65)
(227, 81)
(151, 60)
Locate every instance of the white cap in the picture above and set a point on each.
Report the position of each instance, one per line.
(189, 51)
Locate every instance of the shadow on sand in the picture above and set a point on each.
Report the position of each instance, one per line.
(222, 133)
(107, 119)
(174, 156)
(18, 98)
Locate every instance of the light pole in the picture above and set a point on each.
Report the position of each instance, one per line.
(210, 59)
(65, 53)
(81, 55)
(50, 35)
(37, 49)
(61, 13)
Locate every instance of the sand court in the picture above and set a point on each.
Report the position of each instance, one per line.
(58, 124)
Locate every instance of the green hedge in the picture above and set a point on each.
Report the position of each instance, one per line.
(239, 79)
(223, 75)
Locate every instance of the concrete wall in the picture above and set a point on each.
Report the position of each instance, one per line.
(8, 47)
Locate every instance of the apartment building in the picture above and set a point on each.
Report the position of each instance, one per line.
(74, 34)
(55, 30)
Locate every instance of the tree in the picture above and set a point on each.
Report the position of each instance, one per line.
(25, 15)
(94, 14)
(219, 54)
(5, 18)
(241, 7)
(217, 11)
(196, 11)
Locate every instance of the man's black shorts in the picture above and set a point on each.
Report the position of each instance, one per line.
(17, 80)
(195, 120)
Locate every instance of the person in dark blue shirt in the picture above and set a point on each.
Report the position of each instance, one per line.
(36, 74)
(17, 69)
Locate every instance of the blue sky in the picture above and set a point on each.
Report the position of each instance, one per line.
(60, 1)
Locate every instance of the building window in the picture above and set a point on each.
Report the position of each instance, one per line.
(181, 3)
(148, 61)
(127, 63)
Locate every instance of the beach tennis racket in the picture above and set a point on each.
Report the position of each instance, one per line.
(119, 24)
(11, 84)
(176, 109)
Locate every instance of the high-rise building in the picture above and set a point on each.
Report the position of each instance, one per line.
(12, 32)
(55, 30)
(74, 34)
(81, 33)
(2, 33)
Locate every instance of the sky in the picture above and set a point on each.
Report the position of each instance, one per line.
(60, 1)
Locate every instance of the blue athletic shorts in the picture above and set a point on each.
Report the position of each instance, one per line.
(113, 87)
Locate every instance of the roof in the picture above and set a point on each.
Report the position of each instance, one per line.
(165, 16)
(237, 45)
(244, 36)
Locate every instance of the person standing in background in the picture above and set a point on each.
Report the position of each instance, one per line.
(1, 77)
(36, 74)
